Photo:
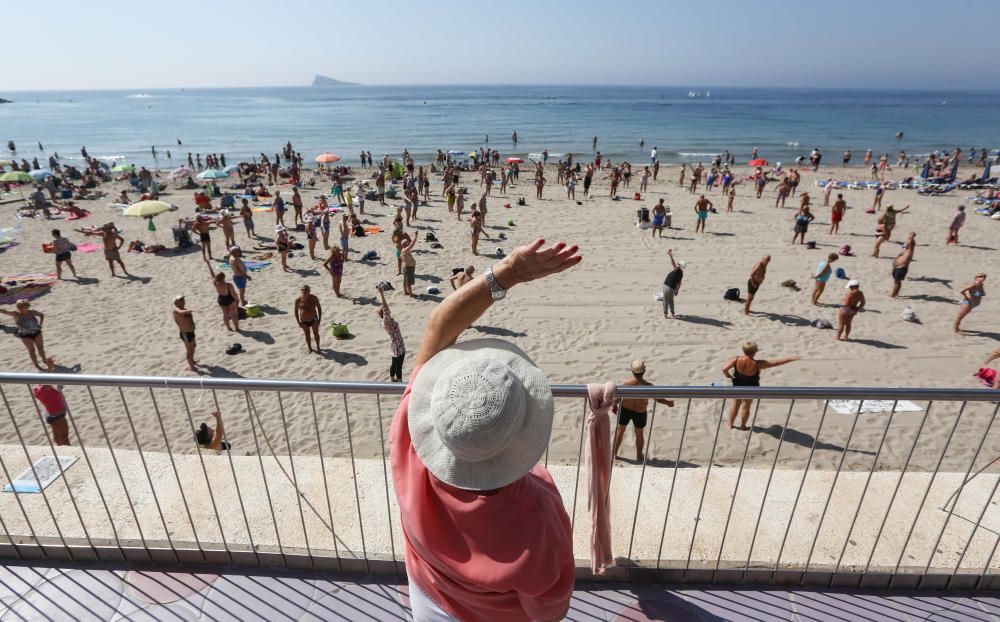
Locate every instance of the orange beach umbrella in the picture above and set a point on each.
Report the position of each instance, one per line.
(327, 158)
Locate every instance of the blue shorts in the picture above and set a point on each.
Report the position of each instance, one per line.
(703, 215)
(240, 281)
(657, 221)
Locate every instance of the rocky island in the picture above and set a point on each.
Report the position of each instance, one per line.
(325, 81)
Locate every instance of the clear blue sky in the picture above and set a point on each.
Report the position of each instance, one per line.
(72, 44)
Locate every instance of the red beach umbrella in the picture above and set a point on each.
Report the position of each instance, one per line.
(327, 158)
(514, 161)
(758, 162)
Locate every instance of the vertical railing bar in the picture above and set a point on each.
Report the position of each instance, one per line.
(326, 486)
(829, 495)
(295, 481)
(252, 413)
(27, 521)
(173, 465)
(767, 488)
(701, 499)
(958, 497)
(546, 460)
(121, 477)
(993, 551)
(208, 483)
(798, 493)
(579, 460)
(385, 475)
(986, 505)
(864, 491)
(638, 494)
(673, 480)
(63, 478)
(31, 465)
(145, 468)
(736, 488)
(236, 480)
(895, 491)
(86, 458)
(354, 477)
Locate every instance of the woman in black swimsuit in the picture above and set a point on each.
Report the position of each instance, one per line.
(227, 299)
(744, 371)
(29, 329)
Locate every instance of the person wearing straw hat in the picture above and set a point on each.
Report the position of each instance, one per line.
(487, 536)
(633, 410)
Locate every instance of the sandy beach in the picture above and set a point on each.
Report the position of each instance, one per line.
(583, 326)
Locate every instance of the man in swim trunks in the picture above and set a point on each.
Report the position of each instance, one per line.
(854, 301)
(409, 264)
(633, 410)
(755, 281)
(308, 313)
(240, 275)
(55, 408)
(837, 213)
(701, 208)
(200, 227)
(184, 319)
(659, 217)
(112, 243)
(901, 264)
(462, 277)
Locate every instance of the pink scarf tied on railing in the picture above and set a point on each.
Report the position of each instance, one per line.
(600, 397)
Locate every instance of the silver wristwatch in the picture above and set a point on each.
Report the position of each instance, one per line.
(496, 291)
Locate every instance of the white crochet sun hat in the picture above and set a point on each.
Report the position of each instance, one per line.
(480, 414)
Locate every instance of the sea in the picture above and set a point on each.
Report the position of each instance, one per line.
(685, 124)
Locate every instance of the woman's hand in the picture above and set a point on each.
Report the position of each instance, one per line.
(529, 263)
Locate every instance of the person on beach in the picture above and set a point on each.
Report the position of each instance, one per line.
(461, 486)
(972, 296)
(901, 264)
(297, 206)
(283, 243)
(462, 277)
(112, 245)
(701, 207)
(201, 227)
(672, 284)
(226, 224)
(756, 279)
(28, 328)
(212, 438)
(744, 371)
(54, 403)
(334, 264)
(802, 220)
(784, 189)
(184, 318)
(886, 223)
(476, 229)
(847, 158)
(823, 273)
(879, 195)
(308, 315)
(659, 217)
(827, 189)
(680, 175)
(240, 273)
(956, 224)
(409, 264)
(311, 236)
(397, 349)
(344, 229)
(228, 299)
(853, 302)
(324, 225)
(837, 214)
(63, 250)
(246, 213)
(278, 206)
(633, 411)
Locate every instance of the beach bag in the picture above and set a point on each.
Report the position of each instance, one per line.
(841, 274)
(733, 293)
(433, 291)
(234, 349)
(908, 315)
(521, 201)
(636, 197)
(369, 256)
(822, 324)
(430, 237)
(811, 244)
(499, 252)
(384, 286)
(845, 250)
(987, 376)
(253, 310)
(241, 313)
(339, 330)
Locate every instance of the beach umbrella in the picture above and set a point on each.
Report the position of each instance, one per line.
(41, 174)
(327, 158)
(146, 209)
(232, 168)
(5, 162)
(17, 177)
(177, 173)
(123, 168)
(514, 161)
(213, 173)
(758, 162)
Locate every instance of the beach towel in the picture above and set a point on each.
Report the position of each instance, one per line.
(373, 230)
(80, 217)
(25, 292)
(600, 398)
(28, 279)
(850, 407)
(252, 266)
(260, 208)
(89, 247)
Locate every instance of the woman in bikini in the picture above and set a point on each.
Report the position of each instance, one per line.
(282, 243)
(311, 237)
(29, 329)
(971, 297)
(744, 371)
(853, 302)
(324, 224)
(476, 230)
(334, 264)
(227, 299)
(887, 222)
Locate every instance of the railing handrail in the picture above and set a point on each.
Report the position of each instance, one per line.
(558, 390)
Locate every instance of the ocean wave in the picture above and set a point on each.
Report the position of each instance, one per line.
(138, 96)
(685, 154)
(792, 144)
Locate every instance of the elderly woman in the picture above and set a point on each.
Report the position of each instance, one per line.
(744, 371)
(971, 297)
(29, 329)
(487, 537)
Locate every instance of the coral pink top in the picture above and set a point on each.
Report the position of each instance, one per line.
(505, 555)
(51, 399)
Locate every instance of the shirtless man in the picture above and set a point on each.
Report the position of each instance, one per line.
(695, 177)
(297, 205)
(409, 264)
(200, 227)
(837, 213)
(701, 207)
(112, 243)
(308, 314)
(633, 410)
(853, 302)
(901, 264)
(462, 277)
(185, 325)
(240, 275)
(755, 281)
(659, 217)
